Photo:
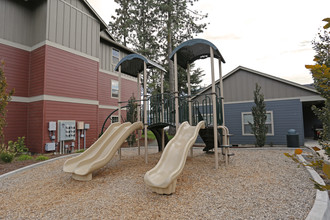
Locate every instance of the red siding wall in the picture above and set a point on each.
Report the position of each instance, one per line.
(69, 111)
(70, 75)
(37, 72)
(35, 124)
(16, 68)
(51, 71)
(129, 88)
(16, 121)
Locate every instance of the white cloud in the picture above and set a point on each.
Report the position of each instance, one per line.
(268, 36)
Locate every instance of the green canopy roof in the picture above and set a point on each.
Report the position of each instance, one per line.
(133, 64)
(194, 49)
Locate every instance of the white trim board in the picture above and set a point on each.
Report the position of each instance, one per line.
(53, 98)
(62, 99)
(302, 99)
(123, 75)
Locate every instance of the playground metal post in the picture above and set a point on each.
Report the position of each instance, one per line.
(162, 100)
(145, 111)
(189, 101)
(221, 95)
(119, 104)
(139, 110)
(176, 93)
(215, 125)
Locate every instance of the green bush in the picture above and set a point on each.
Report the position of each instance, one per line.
(7, 157)
(17, 146)
(24, 157)
(42, 158)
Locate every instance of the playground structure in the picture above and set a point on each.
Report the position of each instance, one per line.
(165, 110)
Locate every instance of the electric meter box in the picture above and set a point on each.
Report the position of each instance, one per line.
(66, 130)
(80, 125)
(50, 146)
(87, 126)
(52, 126)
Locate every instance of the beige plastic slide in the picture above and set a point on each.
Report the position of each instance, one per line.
(101, 152)
(162, 178)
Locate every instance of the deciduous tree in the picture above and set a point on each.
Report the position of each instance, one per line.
(5, 97)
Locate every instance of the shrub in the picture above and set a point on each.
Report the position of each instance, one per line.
(42, 158)
(7, 157)
(24, 157)
(17, 146)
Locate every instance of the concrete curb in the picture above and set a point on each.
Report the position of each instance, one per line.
(321, 207)
(33, 165)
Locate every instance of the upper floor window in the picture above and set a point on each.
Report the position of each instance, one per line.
(247, 117)
(114, 89)
(115, 56)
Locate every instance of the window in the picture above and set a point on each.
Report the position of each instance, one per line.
(114, 89)
(247, 117)
(115, 56)
(114, 119)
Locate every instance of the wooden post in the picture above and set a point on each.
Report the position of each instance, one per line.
(189, 102)
(215, 129)
(176, 93)
(145, 111)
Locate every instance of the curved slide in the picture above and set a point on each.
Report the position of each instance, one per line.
(101, 152)
(162, 178)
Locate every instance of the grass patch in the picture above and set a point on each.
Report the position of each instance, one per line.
(79, 151)
(150, 135)
(42, 158)
(24, 157)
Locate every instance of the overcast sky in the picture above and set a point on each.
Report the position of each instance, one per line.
(270, 36)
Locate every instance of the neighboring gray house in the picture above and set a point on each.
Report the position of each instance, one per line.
(288, 106)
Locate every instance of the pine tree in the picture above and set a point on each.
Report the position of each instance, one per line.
(259, 128)
(153, 28)
(5, 97)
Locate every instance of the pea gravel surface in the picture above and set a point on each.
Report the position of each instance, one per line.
(257, 184)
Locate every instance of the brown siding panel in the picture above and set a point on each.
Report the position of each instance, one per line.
(37, 72)
(70, 111)
(16, 68)
(16, 121)
(70, 75)
(35, 125)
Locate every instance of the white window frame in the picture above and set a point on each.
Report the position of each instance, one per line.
(114, 116)
(250, 113)
(112, 96)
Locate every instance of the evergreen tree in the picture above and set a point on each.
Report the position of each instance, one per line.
(131, 116)
(259, 128)
(153, 28)
(5, 97)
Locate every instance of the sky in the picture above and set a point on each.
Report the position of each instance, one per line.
(270, 36)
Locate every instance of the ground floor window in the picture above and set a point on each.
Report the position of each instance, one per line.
(114, 119)
(247, 117)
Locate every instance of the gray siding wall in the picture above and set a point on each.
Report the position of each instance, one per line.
(23, 22)
(240, 86)
(106, 56)
(72, 25)
(287, 114)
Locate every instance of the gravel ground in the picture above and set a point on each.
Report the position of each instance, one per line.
(257, 184)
